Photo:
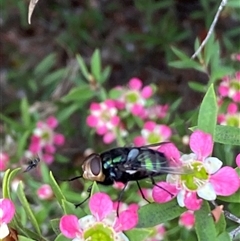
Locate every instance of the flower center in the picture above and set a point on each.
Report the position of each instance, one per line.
(99, 232)
(235, 85)
(196, 178)
(132, 97)
(233, 121)
(153, 138)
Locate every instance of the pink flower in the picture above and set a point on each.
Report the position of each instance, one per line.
(155, 112)
(4, 158)
(230, 87)
(187, 219)
(100, 222)
(158, 233)
(232, 117)
(202, 175)
(153, 133)
(133, 99)
(7, 211)
(44, 140)
(45, 192)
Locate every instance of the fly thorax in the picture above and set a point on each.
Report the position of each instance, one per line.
(196, 178)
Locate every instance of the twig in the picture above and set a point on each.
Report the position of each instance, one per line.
(210, 31)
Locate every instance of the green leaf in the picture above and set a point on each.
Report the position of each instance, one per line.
(105, 74)
(54, 77)
(224, 237)
(22, 238)
(204, 224)
(45, 65)
(186, 64)
(227, 135)
(221, 225)
(235, 198)
(96, 65)
(23, 142)
(70, 208)
(207, 116)
(25, 114)
(80, 94)
(60, 237)
(56, 189)
(94, 188)
(153, 214)
(8, 177)
(27, 208)
(55, 225)
(83, 67)
(197, 86)
(65, 113)
(138, 234)
(115, 93)
(13, 124)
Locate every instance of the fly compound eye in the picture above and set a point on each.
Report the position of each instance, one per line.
(95, 165)
(92, 168)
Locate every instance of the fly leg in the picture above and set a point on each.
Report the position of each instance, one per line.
(89, 194)
(140, 189)
(155, 184)
(120, 198)
(69, 180)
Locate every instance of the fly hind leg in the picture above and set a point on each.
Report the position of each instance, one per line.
(155, 184)
(140, 189)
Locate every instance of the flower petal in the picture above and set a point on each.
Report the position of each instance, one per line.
(171, 152)
(201, 143)
(100, 205)
(212, 164)
(162, 196)
(225, 182)
(135, 83)
(127, 219)
(7, 210)
(207, 192)
(69, 226)
(192, 202)
(238, 160)
(4, 231)
(187, 219)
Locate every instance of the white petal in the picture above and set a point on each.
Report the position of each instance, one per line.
(207, 192)
(180, 198)
(186, 158)
(87, 222)
(121, 237)
(4, 231)
(212, 164)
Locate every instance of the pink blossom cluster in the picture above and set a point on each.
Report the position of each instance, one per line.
(4, 159)
(229, 90)
(44, 140)
(110, 118)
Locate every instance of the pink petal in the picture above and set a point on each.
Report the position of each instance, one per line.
(110, 103)
(135, 84)
(59, 139)
(192, 202)
(221, 118)
(225, 181)
(45, 192)
(232, 108)
(223, 90)
(137, 109)
(166, 132)
(109, 137)
(95, 107)
(149, 125)
(127, 220)
(115, 120)
(238, 160)
(69, 226)
(7, 210)
(52, 122)
(236, 97)
(100, 205)
(147, 92)
(160, 195)
(92, 120)
(201, 144)
(101, 130)
(139, 141)
(48, 158)
(187, 219)
(171, 152)
(50, 149)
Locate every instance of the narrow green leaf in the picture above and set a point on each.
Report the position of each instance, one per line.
(14, 125)
(21, 147)
(220, 225)
(55, 225)
(5, 189)
(27, 208)
(227, 135)
(180, 54)
(56, 189)
(22, 238)
(25, 114)
(70, 208)
(153, 214)
(105, 74)
(138, 234)
(95, 188)
(65, 113)
(197, 86)
(96, 65)
(80, 94)
(83, 67)
(235, 198)
(45, 65)
(224, 237)
(207, 117)
(204, 224)
(186, 64)
(60, 237)
(54, 77)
